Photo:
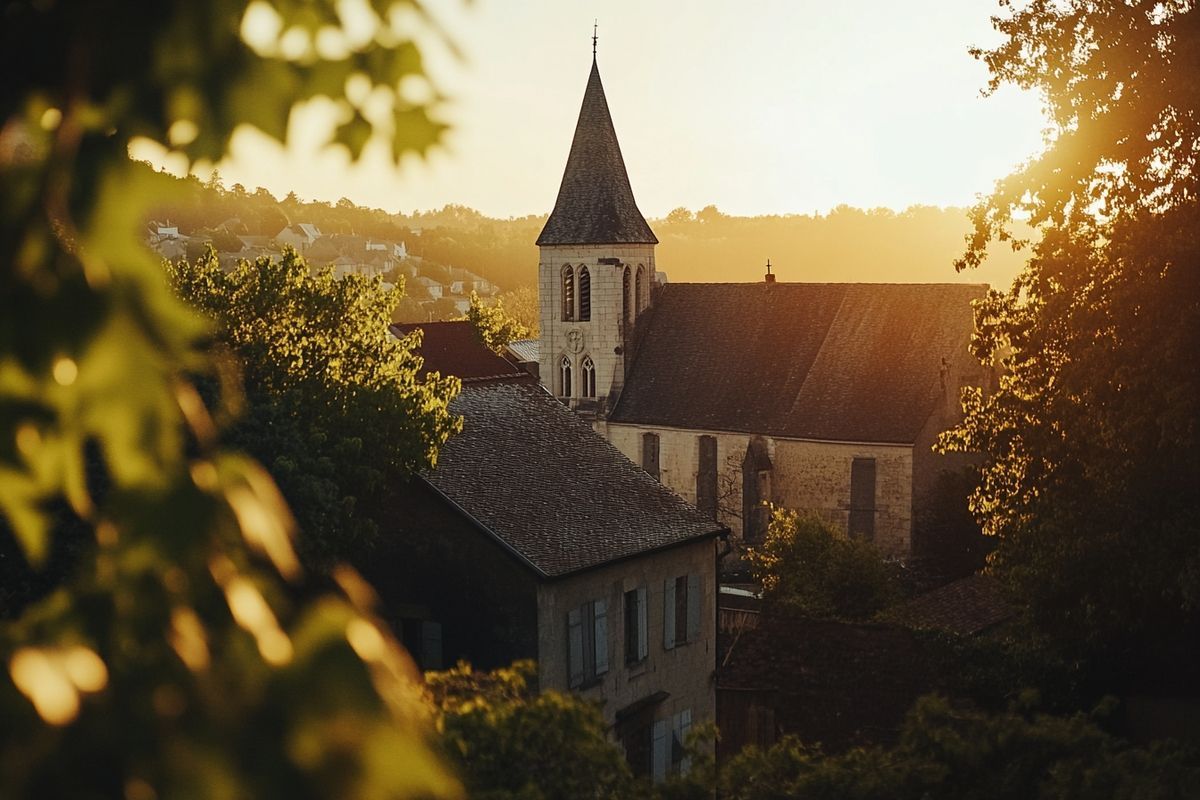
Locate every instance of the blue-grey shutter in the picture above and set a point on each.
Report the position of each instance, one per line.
(574, 648)
(600, 630)
(683, 721)
(431, 645)
(643, 644)
(660, 750)
(669, 613)
(695, 601)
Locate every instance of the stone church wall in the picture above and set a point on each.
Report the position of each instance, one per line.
(806, 475)
(602, 335)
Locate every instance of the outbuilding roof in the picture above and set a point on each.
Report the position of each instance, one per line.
(595, 201)
(453, 348)
(852, 362)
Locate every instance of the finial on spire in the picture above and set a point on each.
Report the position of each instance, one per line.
(595, 26)
(769, 278)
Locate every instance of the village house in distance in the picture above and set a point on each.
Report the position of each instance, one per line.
(820, 397)
(534, 538)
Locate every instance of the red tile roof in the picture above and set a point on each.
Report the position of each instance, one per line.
(453, 348)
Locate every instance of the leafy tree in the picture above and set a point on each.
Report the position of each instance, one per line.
(946, 754)
(1091, 443)
(509, 741)
(493, 324)
(805, 565)
(522, 305)
(334, 407)
(172, 661)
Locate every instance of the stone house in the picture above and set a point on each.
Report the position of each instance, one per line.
(300, 236)
(535, 538)
(819, 397)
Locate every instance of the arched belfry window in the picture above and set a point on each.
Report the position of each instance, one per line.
(568, 293)
(585, 294)
(626, 301)
(564, 377)
(639, 283)
(589, 377)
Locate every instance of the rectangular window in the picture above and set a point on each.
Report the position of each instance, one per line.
(706, 477)
(862, 498)
(682, 610)
(587, 643)
(681, 724)
(668, 741)
(650, 453)
(636, 639)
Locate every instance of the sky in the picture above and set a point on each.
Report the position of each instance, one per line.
(759, 107)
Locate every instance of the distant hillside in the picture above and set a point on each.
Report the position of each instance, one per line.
(847, 244)
(918, 245)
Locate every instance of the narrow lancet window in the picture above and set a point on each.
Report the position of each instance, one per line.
(585, 295)
(568, 293)
(626, 301)
(638, 284)
(589, 377)
(564, 377)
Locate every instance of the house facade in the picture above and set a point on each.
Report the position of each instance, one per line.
(825, 398)
(536, 538)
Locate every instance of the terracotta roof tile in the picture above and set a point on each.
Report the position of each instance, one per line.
(452, 348)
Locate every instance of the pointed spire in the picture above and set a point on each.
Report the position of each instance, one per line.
(595, 202)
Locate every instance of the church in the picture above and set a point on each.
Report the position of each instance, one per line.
(822, 397)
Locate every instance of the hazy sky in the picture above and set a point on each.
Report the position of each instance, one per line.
(760, 107)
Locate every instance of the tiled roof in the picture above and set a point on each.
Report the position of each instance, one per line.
(526, 349)
(831, 361)
(540, 479)
(965, 607)
(452, 348)
(595, 202)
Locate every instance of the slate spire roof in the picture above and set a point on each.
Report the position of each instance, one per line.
(595, 202)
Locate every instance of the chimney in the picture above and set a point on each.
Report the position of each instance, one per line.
(769, 278)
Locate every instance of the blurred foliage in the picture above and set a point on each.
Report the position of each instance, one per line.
(1091, 443)
(174, 662)
(334, 406)
(510, 741)
(950, 754)
(493, 324)
(805, 565)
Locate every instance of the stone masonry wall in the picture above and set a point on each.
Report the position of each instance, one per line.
(806, 475)
(685, 672)
(602, 335)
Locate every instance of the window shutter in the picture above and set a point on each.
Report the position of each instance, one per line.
(660, 750)
(685, 725)
(600, 628)
(643, 645)
(669, 613)
(574, 648)
(695, 601)
(431, 645)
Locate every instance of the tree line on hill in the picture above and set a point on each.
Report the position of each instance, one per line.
(916, 245)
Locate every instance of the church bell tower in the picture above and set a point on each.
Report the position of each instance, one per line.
(596, 265)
